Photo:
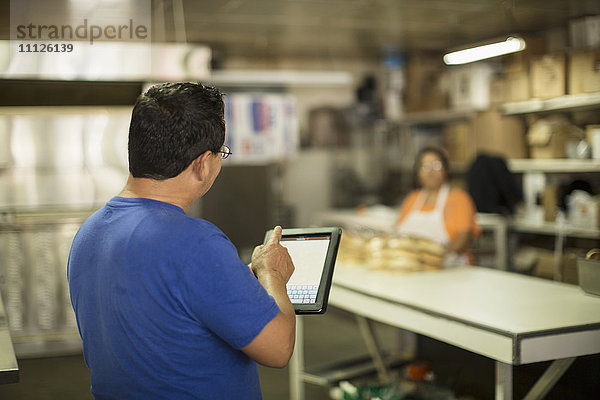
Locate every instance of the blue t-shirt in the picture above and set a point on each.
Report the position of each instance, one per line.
(163, 305)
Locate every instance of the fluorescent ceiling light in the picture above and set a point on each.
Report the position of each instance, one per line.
(510, 45)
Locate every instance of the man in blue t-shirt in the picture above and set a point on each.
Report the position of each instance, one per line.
(165, 307)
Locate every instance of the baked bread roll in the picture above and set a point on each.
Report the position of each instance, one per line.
(431, 259)
(401, 242)
(429, 246)
(406, 264)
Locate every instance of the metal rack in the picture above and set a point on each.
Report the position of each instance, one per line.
(33, 280)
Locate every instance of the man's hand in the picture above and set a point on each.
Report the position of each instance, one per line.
(272, 258)
(273, 266)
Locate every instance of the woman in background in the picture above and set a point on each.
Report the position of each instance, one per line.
(437, 212)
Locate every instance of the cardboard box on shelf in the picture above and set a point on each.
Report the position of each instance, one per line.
(469, 86)
(498, 91)
(519, 62)
(548, 76)
(584, 72)
(459, 141)
(517, 67)
(516, 62)
(592, 134)
(544, 145)
(548, 137)
(517, 86)
(550, 202)
(501, 135)
(424, 90)
(545, 267)
(585, 32)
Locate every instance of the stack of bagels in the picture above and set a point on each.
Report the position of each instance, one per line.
(390, 252)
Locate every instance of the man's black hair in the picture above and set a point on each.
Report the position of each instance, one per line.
(171, 125)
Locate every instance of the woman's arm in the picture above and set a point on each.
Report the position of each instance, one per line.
(460, 221)
(460, 243)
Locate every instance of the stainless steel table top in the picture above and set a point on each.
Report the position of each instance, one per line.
(508, 317)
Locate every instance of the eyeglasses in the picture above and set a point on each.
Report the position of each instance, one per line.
(225, 152)
(432, 166)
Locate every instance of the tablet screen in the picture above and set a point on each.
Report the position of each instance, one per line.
(308, 254)
(313, 252)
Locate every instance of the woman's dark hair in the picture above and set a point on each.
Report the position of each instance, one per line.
(440, 153)
(171, 125)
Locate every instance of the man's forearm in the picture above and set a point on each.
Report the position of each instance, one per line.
(275, 286)
(275, 345)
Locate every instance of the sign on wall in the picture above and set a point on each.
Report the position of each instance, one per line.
(261, 128)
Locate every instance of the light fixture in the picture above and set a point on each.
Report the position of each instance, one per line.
(510, 45)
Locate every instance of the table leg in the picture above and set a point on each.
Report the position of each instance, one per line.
(549, 378)
(504, 381)
(368, 335)
(501, 245)
(296, 364)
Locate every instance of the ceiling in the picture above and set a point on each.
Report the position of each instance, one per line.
(336, 28)
(327, 28)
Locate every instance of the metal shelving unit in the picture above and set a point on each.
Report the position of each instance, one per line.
(569, 102)
(553, 165)
(552, 228)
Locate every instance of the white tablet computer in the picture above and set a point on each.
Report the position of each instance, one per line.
(313, 251)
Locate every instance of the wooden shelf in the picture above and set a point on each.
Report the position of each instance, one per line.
(436, 116)
(564, 103)
(553, 165)
(266, 78)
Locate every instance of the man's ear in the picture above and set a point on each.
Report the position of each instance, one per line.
(200, 166)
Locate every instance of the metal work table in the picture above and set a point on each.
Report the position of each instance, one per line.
(510, 318)
(9, 370)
